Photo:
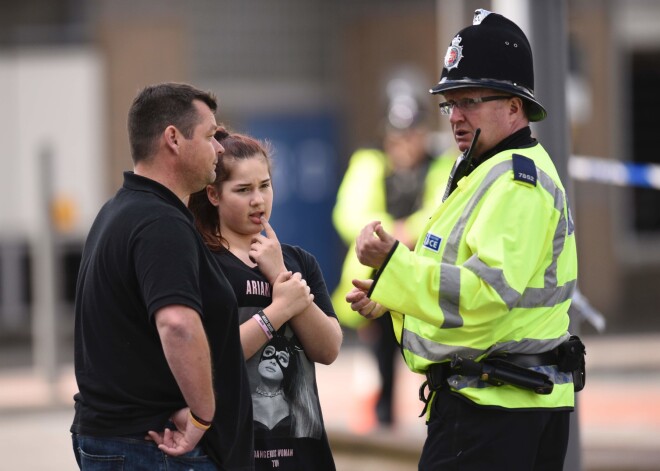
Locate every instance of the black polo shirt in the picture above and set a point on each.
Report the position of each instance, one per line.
(143, 253)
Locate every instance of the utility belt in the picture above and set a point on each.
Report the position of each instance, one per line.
(512, 369)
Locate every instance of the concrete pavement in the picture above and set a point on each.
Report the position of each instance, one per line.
(618, 413)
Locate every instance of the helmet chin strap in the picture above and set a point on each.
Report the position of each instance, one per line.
(470, 152)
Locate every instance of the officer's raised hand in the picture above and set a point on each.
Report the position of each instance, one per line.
(373, 244)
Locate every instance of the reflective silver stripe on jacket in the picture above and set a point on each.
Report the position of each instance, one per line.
(551, 294)
(436, 352)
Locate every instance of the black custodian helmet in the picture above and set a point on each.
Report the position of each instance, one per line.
(492, 53)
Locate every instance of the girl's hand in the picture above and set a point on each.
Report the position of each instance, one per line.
(291, 293)
(267, 252)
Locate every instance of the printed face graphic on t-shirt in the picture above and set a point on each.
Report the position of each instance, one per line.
(273, 363)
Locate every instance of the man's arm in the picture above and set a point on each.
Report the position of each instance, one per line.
(187, 352)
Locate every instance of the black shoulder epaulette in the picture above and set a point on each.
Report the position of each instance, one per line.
(524, 169)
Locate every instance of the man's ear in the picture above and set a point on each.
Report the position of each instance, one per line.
(172, 137)
(212, 195)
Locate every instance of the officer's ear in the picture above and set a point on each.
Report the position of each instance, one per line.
(517, 106)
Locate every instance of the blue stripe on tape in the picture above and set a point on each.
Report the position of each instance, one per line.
(614, 172)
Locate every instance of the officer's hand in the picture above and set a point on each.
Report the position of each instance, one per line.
(373, 244)
(361, 304)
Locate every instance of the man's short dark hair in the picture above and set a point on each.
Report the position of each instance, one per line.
(159, 106)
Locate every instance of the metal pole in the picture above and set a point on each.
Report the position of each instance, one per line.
(44, 328)
(550, 43)
(548, 20)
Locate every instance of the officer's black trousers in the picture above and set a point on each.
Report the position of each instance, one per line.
(462, 436)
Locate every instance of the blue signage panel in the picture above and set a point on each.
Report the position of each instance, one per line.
(305, 182)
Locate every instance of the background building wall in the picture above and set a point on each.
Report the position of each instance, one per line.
(281, 61)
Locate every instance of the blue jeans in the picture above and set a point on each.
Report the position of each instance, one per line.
(133, 453)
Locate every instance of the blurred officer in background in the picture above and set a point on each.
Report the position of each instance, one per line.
(481, 305)
(399, 184)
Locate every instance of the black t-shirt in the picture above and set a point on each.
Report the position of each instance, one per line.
(144, 253)
(288, 424)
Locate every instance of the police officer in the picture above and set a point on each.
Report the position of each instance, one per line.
(399, 183)
(481, 304)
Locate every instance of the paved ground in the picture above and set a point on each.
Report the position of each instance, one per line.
(618, 413)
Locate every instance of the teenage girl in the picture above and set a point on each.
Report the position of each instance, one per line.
(287, 320)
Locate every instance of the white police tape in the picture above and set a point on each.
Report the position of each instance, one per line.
(614, 172)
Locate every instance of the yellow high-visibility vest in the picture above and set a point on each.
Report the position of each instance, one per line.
(493, 272)
(362, 198)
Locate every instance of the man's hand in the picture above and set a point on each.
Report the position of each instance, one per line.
(180, 441)
(361, 304)
(267, 252)
(373, 244)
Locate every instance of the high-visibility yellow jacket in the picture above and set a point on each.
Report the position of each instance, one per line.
(362, 198)
(494, 271)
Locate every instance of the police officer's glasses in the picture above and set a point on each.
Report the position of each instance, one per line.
(468, 104)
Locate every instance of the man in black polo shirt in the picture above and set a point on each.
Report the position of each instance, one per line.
(159, 365)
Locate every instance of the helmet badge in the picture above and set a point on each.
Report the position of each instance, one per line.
(454, 53)
(479, 16)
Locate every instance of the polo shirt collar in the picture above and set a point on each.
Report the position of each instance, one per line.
(139, 183)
